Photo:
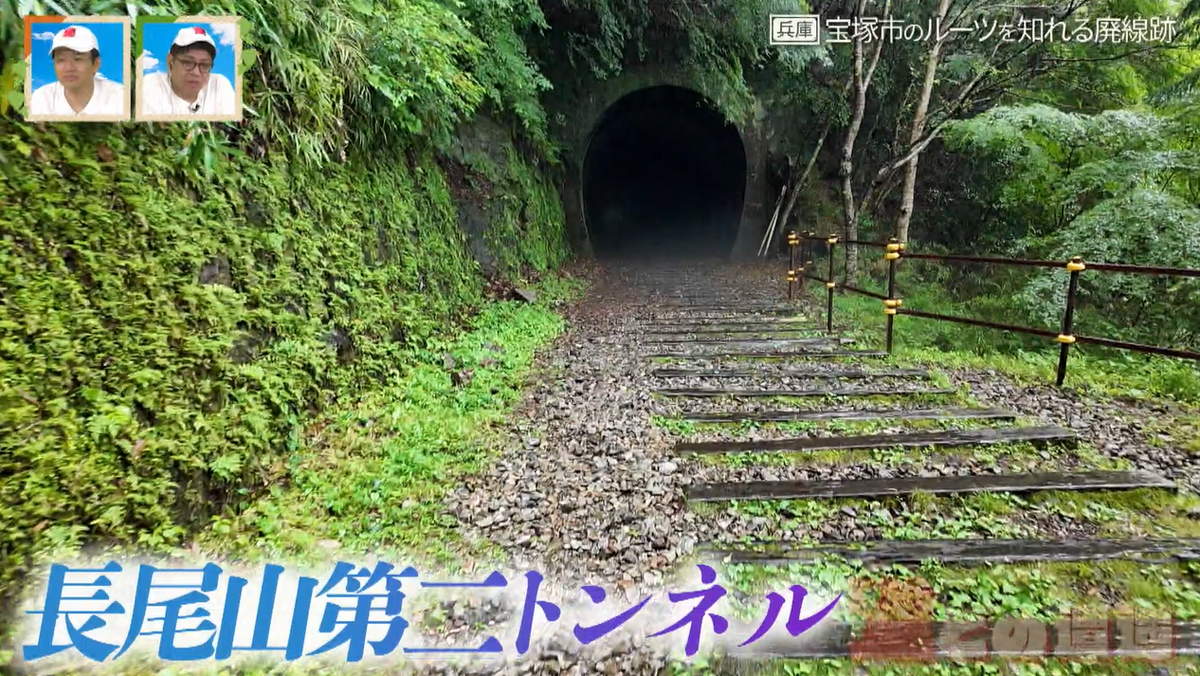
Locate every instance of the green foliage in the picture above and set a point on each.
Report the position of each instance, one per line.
(721, 39)
(1114, 187)
(1144, 225)
(373, 476)
(174, 318)
(165, 336)
(712, 44)
(529, 228)
(1053, 165)
(677, 427)
(966, 521)
(1093, 76)
(1030, 359)
(415, 62)
(369, 72)
(329, 78)
(511, 80)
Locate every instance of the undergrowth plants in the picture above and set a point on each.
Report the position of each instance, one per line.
(1046, 592)
(183, 301)
(1043, 591)
(378, 469)
(918, 341)
(164, 348)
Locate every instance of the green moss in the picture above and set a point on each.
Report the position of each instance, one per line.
(374, 478)
(529, 228)
(745, 459)
(1145, 512)
(167, 339)
(675, 426)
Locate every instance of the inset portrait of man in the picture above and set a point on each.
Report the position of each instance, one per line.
(79, 89)
(191, 86)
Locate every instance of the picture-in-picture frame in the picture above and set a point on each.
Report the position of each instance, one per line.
(77, 68)
(187, 68)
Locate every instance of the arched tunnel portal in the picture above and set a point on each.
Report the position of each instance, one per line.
(664, 176)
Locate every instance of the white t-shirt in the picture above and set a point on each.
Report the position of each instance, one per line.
(216, 98)
(108, 98)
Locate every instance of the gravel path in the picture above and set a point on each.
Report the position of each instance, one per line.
(592, 490)
(1117, 429)
(588, 491)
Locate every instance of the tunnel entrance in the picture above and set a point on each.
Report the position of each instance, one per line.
(664, 176)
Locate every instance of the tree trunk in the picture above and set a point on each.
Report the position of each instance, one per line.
(907, 194)
(846, 167)
(862, 81)
(802, 179)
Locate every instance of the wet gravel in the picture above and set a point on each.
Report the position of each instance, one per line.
(589, 492)
(672, 406)
(1118, 429)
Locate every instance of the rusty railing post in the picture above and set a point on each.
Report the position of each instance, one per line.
(891, 255)
(800, 270)
(792, 239)
(832, 241)
(806, 254)
(1065, 337)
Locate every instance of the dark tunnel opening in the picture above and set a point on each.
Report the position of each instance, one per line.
(664, 176)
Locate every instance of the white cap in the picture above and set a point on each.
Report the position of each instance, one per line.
(75, 38)
(191, 35)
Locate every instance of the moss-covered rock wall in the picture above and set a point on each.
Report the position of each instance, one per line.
(178, 300)
(166, 332)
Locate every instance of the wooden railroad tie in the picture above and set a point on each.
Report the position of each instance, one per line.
(938, 439)
(870, 488)
(950, 413)
(823, 340)
(664, 330)
(963, 552)
(859, 392)
(827, 354)
(790, 373)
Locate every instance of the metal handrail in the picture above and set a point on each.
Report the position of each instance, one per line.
(894, 251)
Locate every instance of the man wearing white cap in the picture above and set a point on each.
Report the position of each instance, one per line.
(79, 88)
(188, 86)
